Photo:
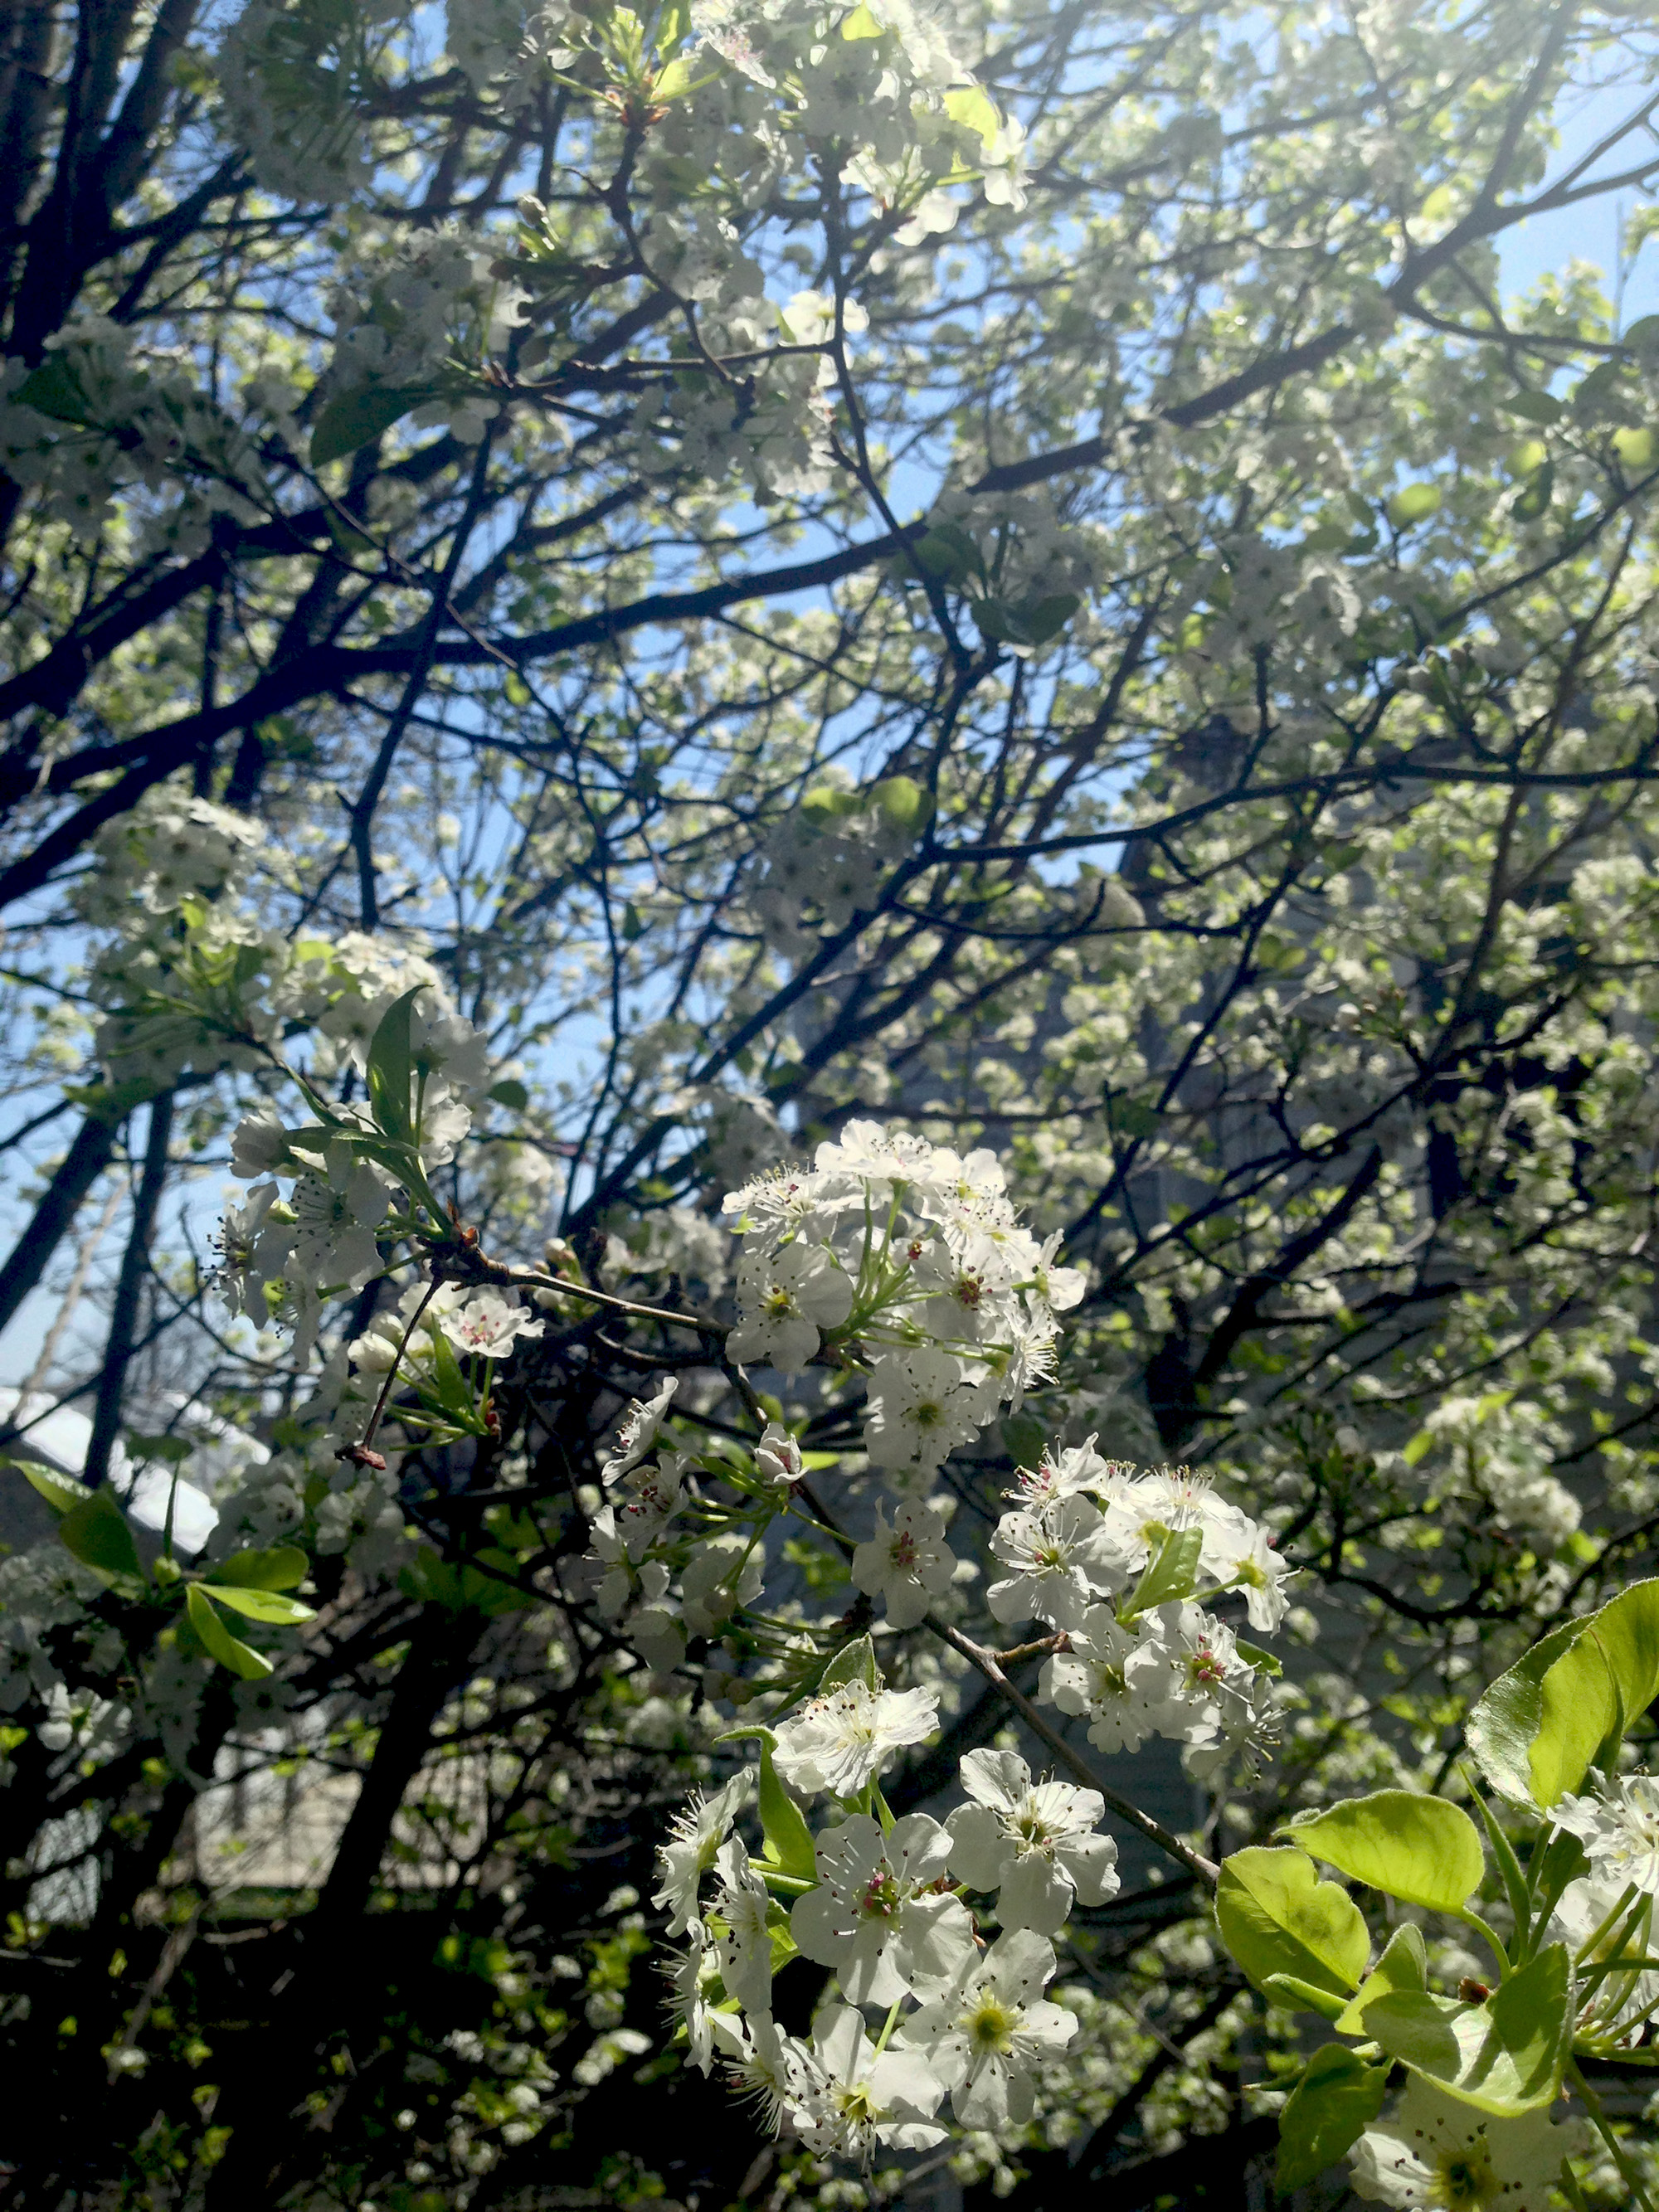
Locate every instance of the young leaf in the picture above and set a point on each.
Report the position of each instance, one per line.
(1414, 1847)
(356, 416)
(1608, 1678)
(854, 1662)
(1276, 1916)
(259, 1604)
(1504, 2056)
(391, 1066)
(1413, 505)
(97, 1531)
(1171, 1573)
(1515, 1882)
(1329, 2109)
(1301, 1996)
(218, 1642)
(788, 1838)
(1404, 1965)
(59, 1493)
(1501, 1729)
(281, 1569)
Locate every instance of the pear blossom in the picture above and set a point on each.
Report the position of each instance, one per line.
(723, 1574)
(919, 1410)
(1109, 1672)
(1436, 2152)
(695, 1833)
(1036, 1844)
(857, 2098)
(489, 1325)
(786, 1301)
(1619, 1827)
(984, 2035)
(878, 1916)
(778, 1457)
(743, 1945)
(638, 1432)
(1063, 1560)
(842, 1741)
(908, 1563)
(337, 1216)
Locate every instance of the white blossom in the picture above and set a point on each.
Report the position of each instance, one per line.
(985, 2036)
(842, 1741)
(1036, 1844)
(877, 1916)
(907, 1563)
(1619, 1827)
(1442, 2155)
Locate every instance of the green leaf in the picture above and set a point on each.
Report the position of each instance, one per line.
(1643, 335)
(974, 110)
(1171, 1573)
(1501, 1730)
(97, 1531)
(1533, 406)
(948, 553)
(1329, 2109)
(1414, 504)
(1515, 1882)
(902, 802)
(1504, 2056)
(218, 1642)
(861, 24)
(510, 1093)
(1404, 1965)
(1042, 619)
(1418, 1848)
(284, 1568)
(356, 416)
(853, 1663)
(1276, 1916)
(1301, 1996)
(1595, 1691)
(788, 1840)
(1539, 490)
(1257, 1657)
(59, 1493)
(259, 1604)
(390, 1067)
(1023, 1438)
(1635, 448)
(54, 389)
(1563, 1707)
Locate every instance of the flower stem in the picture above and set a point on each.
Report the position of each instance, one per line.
(1603, 2126)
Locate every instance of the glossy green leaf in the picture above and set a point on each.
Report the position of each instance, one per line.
(1329, 2109)
(259, 1604)
(282, 1568)
(1420, 1848)
(59, 1493)
(356, 416)
(218, 1642)
(1561, 1709)
(510, 1093)
(1276, 1916)
(789, 1840)
(1539, 490)
(1265, 1662)
(853, 1663)
(1506, 2055)
(97, 1531)
(1595, 1691)
(390, 1067)
(1171, 1574)
(1505, 1720)
(1404, 1965)
(1294, 1995)
(1635, 448)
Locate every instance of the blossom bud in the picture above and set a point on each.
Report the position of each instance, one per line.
(777, 1456)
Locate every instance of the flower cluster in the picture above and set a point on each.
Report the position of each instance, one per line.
(883, 1903)
(1115, 1561)
(907, 1258)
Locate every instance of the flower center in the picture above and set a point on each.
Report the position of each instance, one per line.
(990, 2027)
